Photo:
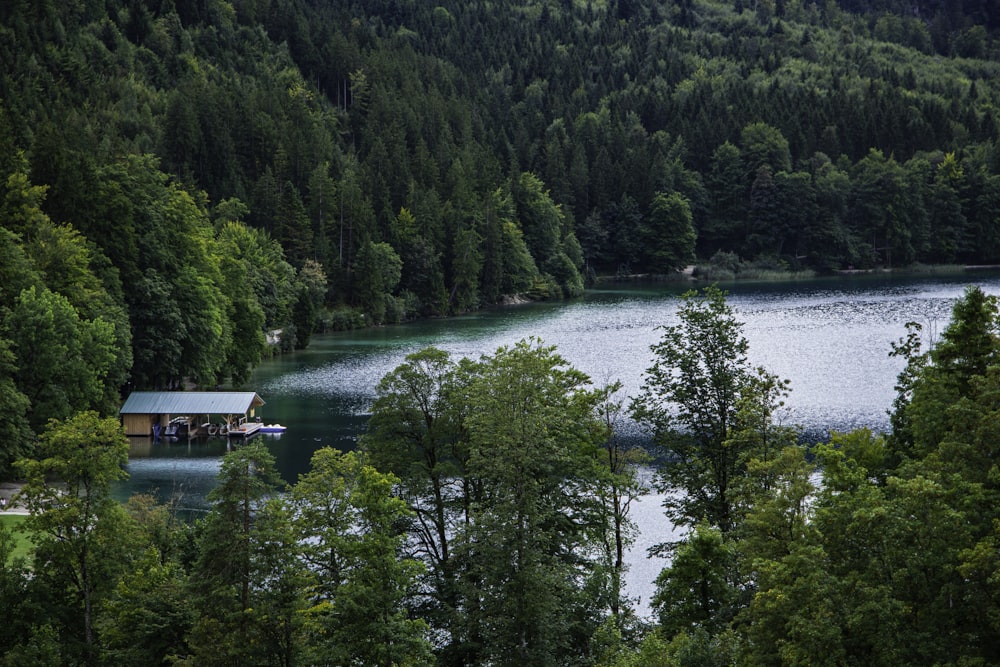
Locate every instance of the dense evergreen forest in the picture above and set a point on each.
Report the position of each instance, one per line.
(216, 170)
(188, 184)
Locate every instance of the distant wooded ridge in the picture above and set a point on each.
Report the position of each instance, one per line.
(181, 176)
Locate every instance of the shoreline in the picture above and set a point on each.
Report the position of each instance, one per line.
(690, 274)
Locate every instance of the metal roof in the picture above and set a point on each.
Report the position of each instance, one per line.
(190, 402)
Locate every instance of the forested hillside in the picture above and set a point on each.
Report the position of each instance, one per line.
(184, 180)
(182, 176)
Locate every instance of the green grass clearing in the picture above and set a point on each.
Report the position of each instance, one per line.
(22, 545)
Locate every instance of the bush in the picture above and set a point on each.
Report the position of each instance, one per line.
(724, 266)
(342, 319)
(545, 288)
(721, 267)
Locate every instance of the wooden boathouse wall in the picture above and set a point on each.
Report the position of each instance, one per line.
(139, 425)
(143, 409)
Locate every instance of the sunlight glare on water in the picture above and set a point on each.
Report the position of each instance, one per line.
(833, 344)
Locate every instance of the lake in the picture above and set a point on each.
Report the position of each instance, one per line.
(830, 337)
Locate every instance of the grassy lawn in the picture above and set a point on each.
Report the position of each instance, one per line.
(22, 546)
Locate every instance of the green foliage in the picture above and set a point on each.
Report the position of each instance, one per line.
(41, 647)
(519, 270)
(379, 269)
(531, 445)
(885, 561)
(304, 318)
(708, 409)
(254, 268)
(698, 589)
(937, 380)
(180, 178)
(77, 527)
(147, 616)
(422, 274)
(764, 146)
(63, 360)
(359, 577)
(499, 517)
(520, 498)
(63, 297)
(805, 137)
(687, 649)
(239, 617)
(669, 234)
(466, 267)
(15, 548)
(542, 223)
(14, 407)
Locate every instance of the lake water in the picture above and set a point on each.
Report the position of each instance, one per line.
(830, 337)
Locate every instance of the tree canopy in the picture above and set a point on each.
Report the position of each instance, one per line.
(182, 182)
(483, 520)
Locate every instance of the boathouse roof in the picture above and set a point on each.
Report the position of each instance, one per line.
(190, 403)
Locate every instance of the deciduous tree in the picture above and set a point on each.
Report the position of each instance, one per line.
(691, 400)
(359, 578)
(533, 438)
(62, 359)
(79, 529)
(669, 233)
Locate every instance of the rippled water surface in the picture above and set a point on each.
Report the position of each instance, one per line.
(831, 338)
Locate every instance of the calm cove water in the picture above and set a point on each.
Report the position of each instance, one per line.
(830, 337)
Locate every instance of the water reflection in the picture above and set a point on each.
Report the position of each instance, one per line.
(180, 471)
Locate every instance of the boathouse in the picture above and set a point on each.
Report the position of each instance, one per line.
(147, 413)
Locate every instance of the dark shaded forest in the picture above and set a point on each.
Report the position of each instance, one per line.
(189, 185)
(215, 170)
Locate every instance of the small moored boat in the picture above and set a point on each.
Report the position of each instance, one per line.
(272, 428)
(178, 427)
